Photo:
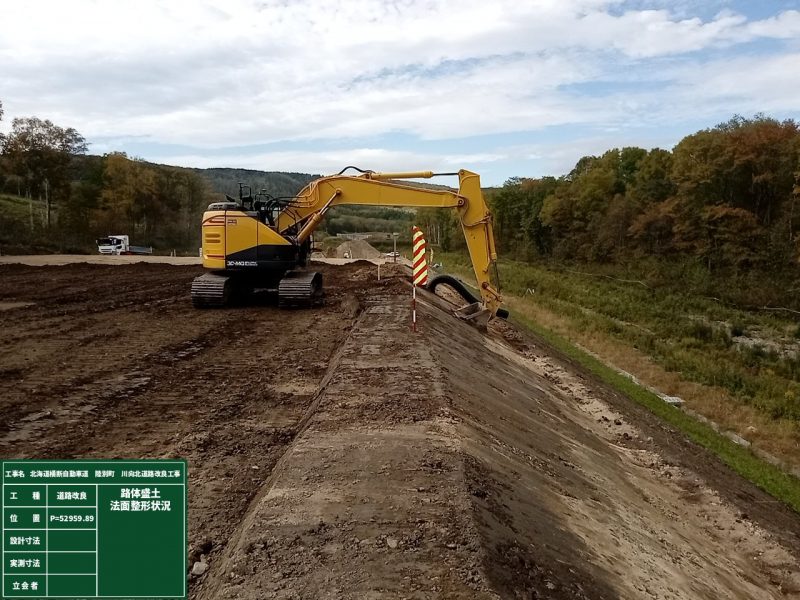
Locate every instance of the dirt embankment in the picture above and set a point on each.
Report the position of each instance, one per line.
(333, 453)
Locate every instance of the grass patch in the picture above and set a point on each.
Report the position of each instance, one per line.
(680, 341)
(683, 332)
(19, 209)
(768, 477)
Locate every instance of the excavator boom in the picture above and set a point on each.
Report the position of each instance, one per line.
(383, 189)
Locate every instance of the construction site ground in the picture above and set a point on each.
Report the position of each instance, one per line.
(335, 453)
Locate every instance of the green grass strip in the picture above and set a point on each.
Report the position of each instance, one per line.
(770, 478)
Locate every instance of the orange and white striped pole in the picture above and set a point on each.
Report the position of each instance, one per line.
(419, 270)
(420, 265)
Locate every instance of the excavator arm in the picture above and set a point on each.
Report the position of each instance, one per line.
(307, 210)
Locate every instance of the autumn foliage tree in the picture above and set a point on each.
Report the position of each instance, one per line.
(93, 196)
(155, 204)
(726, 197)
(38, 153)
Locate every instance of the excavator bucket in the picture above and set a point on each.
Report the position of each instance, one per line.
(474, 313)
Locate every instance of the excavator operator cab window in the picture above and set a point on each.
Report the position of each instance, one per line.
(264, 212)
(245, 196)
(266, 208)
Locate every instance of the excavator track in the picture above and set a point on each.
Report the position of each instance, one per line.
(300, 289)
(211, 291)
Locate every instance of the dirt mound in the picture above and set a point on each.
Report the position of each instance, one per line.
(357, 249)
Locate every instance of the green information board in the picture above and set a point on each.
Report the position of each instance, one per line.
(94, 529)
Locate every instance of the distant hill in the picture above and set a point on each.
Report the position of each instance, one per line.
(277, 183)
(226, 181)
(161, 205)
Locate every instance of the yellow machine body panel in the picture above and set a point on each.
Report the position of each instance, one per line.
(214, 239)
(235, 239)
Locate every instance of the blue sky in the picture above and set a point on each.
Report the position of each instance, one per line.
(504, 88)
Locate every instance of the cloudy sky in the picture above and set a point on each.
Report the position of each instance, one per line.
(502, 87)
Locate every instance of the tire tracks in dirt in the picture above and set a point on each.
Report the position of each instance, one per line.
(279, 465)
(223, 389)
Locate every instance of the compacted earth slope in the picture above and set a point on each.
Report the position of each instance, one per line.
(335, 453)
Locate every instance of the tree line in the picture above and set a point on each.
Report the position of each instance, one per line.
(74, 198)
(727, 198)
(71, 198)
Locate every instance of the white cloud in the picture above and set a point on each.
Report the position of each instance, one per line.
(245, 73)
(783, 26)
(752, 84)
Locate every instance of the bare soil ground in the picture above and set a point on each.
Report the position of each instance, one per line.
(38, 260)
(333, 453)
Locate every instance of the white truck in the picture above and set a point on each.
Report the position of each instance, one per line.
(120, 244)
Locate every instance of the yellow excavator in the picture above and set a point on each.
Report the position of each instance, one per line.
(262, 242)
